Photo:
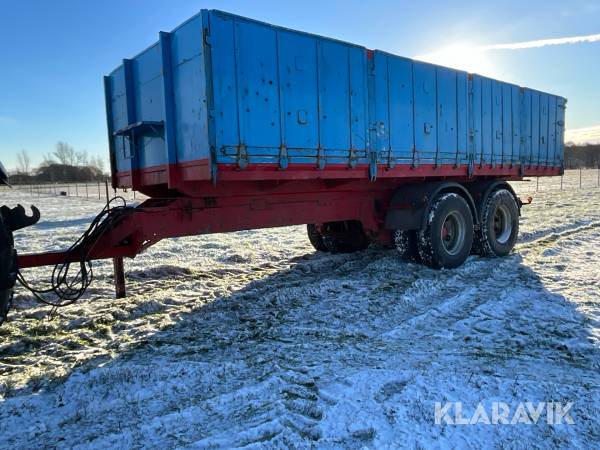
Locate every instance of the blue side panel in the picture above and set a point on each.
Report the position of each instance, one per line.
(119, 116)
(551, 130)
(526, 127)
(334, 95)
(282, 95)
(543, 129)
(148, 104)
(462, 100)
(158, 102)
(486, 121)
(224, 82)
(535, 128)
(560, 130)
(258, 92)
(189, 92)
(516, 124)
(476, 119)
(425, 111)
(496, 122)
(506, 124)
(381, 97)
(298, 87)
(359, 103)
(402, 127)
(446, 115)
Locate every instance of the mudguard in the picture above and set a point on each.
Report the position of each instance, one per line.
(410, 204)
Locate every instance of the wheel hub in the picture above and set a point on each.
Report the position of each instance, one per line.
(502, 226)
(453, 233)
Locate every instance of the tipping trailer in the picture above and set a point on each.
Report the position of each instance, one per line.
(229, 124)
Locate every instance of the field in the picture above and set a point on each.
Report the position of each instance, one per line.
(253, 339)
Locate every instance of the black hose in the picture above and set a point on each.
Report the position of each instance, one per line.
(64, 287)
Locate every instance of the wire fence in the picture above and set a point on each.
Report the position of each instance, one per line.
(572, 179)
(96, 190)
(101, 190)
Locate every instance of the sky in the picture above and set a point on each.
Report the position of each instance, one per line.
(53, 54)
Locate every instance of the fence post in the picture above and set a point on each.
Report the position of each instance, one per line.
(76, 191)
(99, 189)
(537, 184)
(580, 172)
(86, 190)
(561, 182)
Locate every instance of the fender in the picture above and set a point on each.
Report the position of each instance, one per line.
(481, 190)
(409, 205)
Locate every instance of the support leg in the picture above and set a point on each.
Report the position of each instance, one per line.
(119, 271)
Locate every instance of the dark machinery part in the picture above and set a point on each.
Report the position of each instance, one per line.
(10, 221)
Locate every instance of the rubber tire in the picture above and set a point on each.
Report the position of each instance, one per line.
(485, 243)
(407, 246)
(349, 239)
(431, 248)
(315, 238)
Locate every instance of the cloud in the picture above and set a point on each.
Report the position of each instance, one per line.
(587, 135)
(541, 43)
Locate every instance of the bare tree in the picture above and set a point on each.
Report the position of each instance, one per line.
(97, 162)
(47, 160)
(23, 162)
(65, 153)
(82, 159)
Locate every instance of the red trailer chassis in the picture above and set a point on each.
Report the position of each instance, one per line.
(193, 208)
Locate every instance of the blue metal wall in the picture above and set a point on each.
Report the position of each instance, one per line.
(165, 83)
(257, 93)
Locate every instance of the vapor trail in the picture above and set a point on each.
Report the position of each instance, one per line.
(541, 43)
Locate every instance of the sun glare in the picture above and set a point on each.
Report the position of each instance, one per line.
(461, 56)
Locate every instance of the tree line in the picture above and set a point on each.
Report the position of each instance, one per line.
(582, 156)
(64, 164)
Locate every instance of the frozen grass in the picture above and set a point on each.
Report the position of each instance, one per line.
(252, 339)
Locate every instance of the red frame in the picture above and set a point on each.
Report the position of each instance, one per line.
(262, 196)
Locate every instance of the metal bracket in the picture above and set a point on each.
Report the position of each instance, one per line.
(352, 158)
(373, 165)
(283, 157)
(242, 156)
(320, 159)
(391, 161)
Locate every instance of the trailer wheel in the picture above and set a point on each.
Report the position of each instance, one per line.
(315, 237)
(407, 246)
(499, 228)
(344, 236)
(447, 239)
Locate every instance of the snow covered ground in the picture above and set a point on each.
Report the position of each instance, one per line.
(252, 339)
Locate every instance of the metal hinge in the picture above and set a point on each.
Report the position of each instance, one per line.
(206, 36)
